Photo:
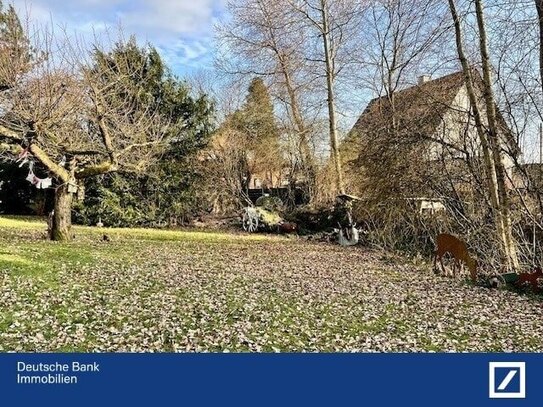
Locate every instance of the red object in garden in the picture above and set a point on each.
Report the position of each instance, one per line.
(288, 227)
(531, 278)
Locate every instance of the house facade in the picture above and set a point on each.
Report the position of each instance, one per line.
(421, 142)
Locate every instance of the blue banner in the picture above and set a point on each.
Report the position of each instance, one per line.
(271, 379)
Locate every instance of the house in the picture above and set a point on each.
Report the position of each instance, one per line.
(420, 142)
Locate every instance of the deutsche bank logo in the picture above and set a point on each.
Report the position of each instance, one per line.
(507, 380)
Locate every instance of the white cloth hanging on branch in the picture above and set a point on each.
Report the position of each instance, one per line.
(44, 183)
(22, 158)
(39, 183)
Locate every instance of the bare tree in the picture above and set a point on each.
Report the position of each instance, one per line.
(335, 22)
(489, 135)
(494, 132)
(401, 39)
(263, 38)
(539, 7)
(78, 119)
(226, 169)
(328, 45)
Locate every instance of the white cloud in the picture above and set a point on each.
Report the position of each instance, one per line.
(165, 17)
(186, 55)
(180, 29)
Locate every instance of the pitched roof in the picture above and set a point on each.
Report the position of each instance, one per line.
(419, 108)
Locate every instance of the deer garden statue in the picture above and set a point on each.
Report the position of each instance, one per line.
(458, 250)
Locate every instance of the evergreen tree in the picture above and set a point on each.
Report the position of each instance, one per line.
(17, 196)
(15, 51)
(256, 121)
(167, 191)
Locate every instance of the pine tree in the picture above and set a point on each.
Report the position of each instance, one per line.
(256, 121)
(15, 50)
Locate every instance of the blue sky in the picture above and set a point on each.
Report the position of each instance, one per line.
(182, 30)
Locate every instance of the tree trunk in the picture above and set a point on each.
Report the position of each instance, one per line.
(61, 228)
(331, 100)
(306, 153)
(539, 6)
(503, 228)
(494, 140)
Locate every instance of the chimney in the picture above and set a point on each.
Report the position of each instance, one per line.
(424, 78)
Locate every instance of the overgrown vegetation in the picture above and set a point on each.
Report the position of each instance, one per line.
(450, 90)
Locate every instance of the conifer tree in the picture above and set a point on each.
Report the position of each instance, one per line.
(256, 122)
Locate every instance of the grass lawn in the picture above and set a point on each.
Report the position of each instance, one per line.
(149, 290)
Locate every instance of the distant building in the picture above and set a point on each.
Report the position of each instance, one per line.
(419, 138)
